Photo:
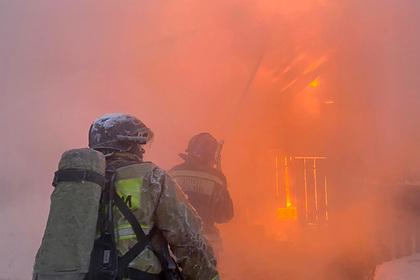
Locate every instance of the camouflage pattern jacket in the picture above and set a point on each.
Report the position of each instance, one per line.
(157, 201)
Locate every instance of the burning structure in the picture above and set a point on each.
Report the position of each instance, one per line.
(302, 189)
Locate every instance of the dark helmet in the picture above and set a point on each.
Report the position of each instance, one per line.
(118, 132)
(203, 147)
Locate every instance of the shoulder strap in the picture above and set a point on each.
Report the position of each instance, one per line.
(132, 273)
(142, 239)
(78, 175)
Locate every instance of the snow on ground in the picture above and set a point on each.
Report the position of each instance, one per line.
(407, 268)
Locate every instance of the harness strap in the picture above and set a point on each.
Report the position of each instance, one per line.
(142, 239)
(129, 216)
(78, 175)
(132, 273)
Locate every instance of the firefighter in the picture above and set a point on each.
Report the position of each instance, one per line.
(155, 200)
(202, 180)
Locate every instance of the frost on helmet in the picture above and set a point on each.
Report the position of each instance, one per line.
(109, 120)
(118, 132)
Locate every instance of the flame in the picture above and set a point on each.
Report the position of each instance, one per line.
(287, 184)
(289, 212)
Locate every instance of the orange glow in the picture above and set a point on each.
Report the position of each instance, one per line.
(315, 191)
(288, 213)
(287, 183)
(314, 83)
(294, 76)
(326, 199)
(277, 177)
(306, 190)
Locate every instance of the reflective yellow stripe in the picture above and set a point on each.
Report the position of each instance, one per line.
(128, 226)
(130, 190)
(127, 237)
(198, 174)
(126, 232)
(196, 185)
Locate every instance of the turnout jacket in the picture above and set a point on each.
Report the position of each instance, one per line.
(157, 201)
(207, 191)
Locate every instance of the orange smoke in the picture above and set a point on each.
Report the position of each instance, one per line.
(302, 77)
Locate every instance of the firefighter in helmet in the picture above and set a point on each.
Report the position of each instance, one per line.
(202, 180)
(156, 201)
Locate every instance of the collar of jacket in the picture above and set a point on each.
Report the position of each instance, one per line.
(119, 159)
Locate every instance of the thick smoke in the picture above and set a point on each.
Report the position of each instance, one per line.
(307, 77)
